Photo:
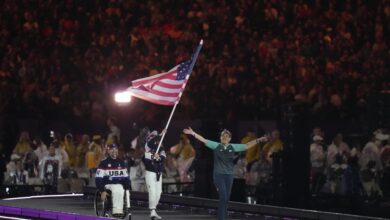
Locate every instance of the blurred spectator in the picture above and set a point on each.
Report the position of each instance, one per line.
(50, 170)
(371, 153)
(170, 173)
(114, 133)
(19, 176)
(70, 181)
(353, 184)
(338, 147)
(40, 148)
(30, 163)
(11, 165)
(335, 174)
(81, 151)
(259, 181)
(70, 149)
(137, 170)
(273, 146)
(253, 154)
(184, 153)
(317, 162)
(94, 155)
(23, 146)
(370, 179)
(324, 59)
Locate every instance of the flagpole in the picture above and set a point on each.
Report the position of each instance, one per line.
(181, 93)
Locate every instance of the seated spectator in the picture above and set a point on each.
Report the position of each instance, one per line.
(23, 146)
(185, 155)
(40, 148)
(258, 180)
(11, 165)
(114, 133)
(70, 149)
(94, 155)
(353, 182)
(317, 162)
(252, 154)
(335, 175)
(50, 170)
(70, 181)
(338, 147)
(19, 176)
(239, 169)
(170, 174)
(371, 153)
(30, 163)
(370, 180)
(273, 146)
(137, 170)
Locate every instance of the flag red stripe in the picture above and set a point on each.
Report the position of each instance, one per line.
(165, 94)
(156, 101)
(158, 92)
(146, 80)
(167, 85)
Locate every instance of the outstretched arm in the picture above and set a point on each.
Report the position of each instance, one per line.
(193, 133)
(256, 141)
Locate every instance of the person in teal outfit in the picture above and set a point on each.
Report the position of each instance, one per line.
(223, 164)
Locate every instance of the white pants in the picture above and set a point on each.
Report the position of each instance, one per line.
(117, 194)
(154, 188)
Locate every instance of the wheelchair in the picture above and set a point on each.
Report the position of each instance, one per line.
(104, 208)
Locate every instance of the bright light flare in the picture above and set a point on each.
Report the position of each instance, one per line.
(123, 97)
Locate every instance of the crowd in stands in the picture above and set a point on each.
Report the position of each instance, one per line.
(363, 169)
(339, 167)
(66, 58)
(68, 163)
(360, 169)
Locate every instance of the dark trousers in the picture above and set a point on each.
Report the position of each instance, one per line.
(223, 183)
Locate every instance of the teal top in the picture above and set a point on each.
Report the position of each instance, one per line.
(224, 156)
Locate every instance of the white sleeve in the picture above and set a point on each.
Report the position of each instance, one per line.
(148, 155)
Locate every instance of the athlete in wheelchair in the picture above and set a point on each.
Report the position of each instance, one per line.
(113, 183)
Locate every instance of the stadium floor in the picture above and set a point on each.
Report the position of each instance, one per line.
(81, 207)
(84, 206)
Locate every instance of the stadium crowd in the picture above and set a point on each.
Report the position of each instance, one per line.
(340, 168)
(66, 58)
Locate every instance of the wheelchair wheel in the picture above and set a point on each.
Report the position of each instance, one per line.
(104, 209)
(101, 208)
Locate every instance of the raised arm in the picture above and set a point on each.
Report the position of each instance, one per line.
(256, 141)
(193, 133)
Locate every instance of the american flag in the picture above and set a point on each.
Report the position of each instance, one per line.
(164, 88)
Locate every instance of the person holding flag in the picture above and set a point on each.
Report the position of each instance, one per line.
(223, 163)
(154, 165)
(162, 89)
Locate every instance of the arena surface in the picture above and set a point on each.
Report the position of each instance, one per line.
(81, 207)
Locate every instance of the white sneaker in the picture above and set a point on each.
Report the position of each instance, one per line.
(153, 215)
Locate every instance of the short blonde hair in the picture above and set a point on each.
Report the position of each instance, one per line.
(225, 131)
